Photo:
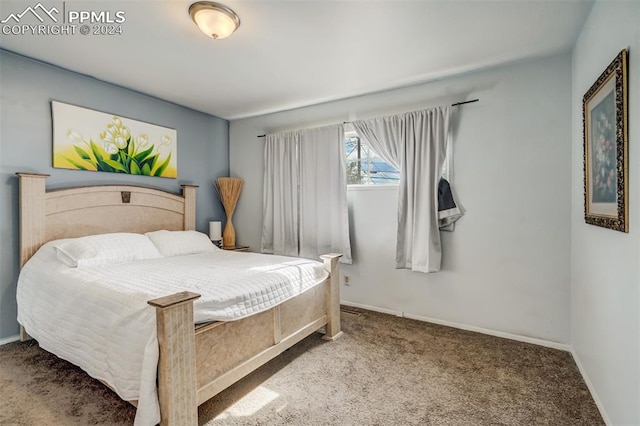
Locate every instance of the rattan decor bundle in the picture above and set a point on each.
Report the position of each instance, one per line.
(229, 189)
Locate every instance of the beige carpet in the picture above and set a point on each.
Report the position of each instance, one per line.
(385, 371)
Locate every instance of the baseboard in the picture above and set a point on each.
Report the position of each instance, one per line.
(591, 388)
(9, 339)
(371, 308)
(525, 339)
(517, 337)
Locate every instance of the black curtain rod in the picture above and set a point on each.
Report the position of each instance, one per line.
(465, 102)
(453, 105)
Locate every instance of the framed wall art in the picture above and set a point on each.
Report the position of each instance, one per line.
(606, 158)
(84, 139)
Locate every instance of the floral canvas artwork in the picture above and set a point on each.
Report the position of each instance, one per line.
(603, 148)
(606, 148)
(85, 139)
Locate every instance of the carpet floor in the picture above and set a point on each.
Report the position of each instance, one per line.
(385, 370)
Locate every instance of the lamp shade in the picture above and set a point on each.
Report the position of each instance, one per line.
(215, 230)
(213, 19)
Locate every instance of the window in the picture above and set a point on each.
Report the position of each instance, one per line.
(365, 167)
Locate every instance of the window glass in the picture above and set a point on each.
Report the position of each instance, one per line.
(365, 167)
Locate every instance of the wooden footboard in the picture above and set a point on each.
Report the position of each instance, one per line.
(197, 364)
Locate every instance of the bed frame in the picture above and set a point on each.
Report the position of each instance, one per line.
(196, 362)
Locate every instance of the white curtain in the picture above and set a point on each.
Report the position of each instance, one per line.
(416, 144)
(305, 209)
(280, 194)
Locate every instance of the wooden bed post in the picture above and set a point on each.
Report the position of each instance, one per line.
(32, 214)
(32, 222)
(189, 194)
(331, 265)
(177, 388)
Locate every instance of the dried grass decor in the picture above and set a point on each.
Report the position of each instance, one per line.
(229, 189)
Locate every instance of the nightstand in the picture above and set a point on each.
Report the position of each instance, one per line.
(237, 248)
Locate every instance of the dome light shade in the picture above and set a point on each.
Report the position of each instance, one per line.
(213, 19)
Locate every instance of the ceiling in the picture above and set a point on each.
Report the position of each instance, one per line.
(288, 54)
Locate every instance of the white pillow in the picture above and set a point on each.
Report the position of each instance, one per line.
(103, 249)
(177, 243)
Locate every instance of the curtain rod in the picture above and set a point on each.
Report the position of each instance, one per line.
(453, 105)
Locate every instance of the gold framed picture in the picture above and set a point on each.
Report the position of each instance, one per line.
(606, 151)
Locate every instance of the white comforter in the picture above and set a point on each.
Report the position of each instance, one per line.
(98, 317)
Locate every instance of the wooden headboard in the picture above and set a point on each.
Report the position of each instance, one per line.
(89, 210)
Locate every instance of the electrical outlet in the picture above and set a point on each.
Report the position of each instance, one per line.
(346, 280)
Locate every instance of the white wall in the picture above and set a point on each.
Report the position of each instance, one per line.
(506, 267)
(604, 263)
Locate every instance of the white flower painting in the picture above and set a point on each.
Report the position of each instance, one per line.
(85, 139)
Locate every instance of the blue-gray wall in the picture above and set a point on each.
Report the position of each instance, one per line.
(26, 90)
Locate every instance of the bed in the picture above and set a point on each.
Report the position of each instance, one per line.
(194, 361)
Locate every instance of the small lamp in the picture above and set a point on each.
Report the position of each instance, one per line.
(215, 232)
(213, 19)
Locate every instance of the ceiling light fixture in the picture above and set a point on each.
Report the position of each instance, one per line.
(215, 20)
